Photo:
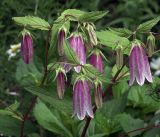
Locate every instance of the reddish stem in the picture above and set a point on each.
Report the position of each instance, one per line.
(139, 129)
(25, 117)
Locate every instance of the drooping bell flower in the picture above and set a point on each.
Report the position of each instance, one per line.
(81, 99)
(138, 64)
(96, 60)
(60, 78)
(60, 43)
(98, 93)
(77, 44)
(27, 47)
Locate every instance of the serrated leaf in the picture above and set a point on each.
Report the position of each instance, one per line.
(49, 95)
(139, 97)
(114, 106)
(147, 26)
(128, 123)
(49, 121)
(109, 39)
(92, 72)
(27, 73)
(9, 126)
(70, 54)
(71, 14)
(92, 16)
(123, 32)
(33, 22)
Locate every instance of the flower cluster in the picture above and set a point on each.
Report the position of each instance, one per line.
(82, 103)
(78, 44)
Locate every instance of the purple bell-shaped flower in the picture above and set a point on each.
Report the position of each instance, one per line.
(96, 60)
(77, 44)
(139, 65)
(27, 48)
(81, 99)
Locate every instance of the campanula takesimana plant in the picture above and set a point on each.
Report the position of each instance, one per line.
(89, 75)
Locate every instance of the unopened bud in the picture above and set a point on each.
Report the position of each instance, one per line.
(26, 47)
(92, 34)
(119, 56)
(98, 94)
(60, 78)
(60, 43)
(150, 45)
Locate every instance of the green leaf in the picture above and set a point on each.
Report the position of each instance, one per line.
(12, 110)
(120, 88)
(139, 97)
(106, 125)
(91, 72)
(27, 73)
(71, 14)
(114, 106)
(49, 121)
(10, 126)
(70, 54)
(147, 26)
(123, 32)
(153, 132)
(105, 117)
(109, 39)
(128, 123)
(49, 95)
(92, 16)
(33, 22)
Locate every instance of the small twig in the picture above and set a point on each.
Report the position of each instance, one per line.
(139, 129)
(25, 117)
(120, 77)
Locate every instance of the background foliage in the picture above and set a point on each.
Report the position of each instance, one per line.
(130, 109)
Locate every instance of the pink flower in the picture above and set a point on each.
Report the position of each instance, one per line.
(96, 60)
(77, 44)
(27, 48)
(139, 65)
(82, 99)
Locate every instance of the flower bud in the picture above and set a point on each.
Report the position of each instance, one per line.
(98, 94)
(119, 56)
(96, 60)
(77, 44)
(60, 78)
(82, 99)
(61, 38)
(150, 45)
(27, 47)
(92, 34)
